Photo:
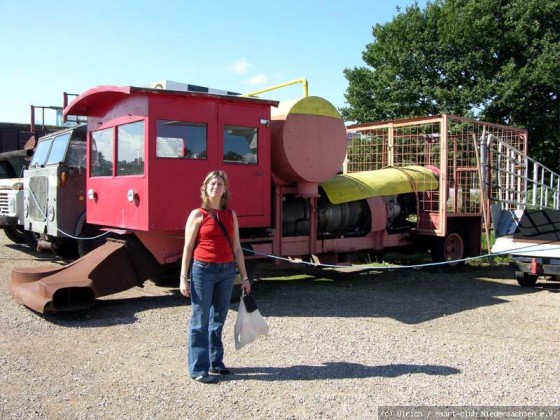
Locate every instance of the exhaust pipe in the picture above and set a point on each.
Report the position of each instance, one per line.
(111, 268)
(44, 246)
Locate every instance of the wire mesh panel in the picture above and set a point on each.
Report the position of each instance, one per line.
(449, 145)
(402, 143)
(367, 150)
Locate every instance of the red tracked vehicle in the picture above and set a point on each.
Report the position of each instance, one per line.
(148, 151)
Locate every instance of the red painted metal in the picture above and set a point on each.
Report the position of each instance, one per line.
(169, 188)
(308, 148)
(76, 285)
(294, 153)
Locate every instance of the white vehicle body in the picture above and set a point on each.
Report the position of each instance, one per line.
(11, 202)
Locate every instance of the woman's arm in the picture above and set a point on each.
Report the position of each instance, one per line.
(192, 227)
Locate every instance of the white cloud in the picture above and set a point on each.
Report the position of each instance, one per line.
(240, 66)
(258, 79)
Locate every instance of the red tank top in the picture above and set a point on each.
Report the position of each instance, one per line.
(211, 243)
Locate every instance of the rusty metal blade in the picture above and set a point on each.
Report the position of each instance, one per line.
(105, 270)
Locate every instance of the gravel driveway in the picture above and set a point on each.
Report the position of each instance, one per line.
(340, 346)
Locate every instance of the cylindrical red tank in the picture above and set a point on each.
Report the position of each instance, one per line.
(308, 142)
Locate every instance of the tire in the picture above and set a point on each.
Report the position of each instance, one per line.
(169, 275)
(30, 239)
(526, 279)
(67, 249)
(85, 246)
(449, 248)
(14, 234)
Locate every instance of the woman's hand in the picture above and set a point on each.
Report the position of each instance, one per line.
(185, 287)
(246, 286)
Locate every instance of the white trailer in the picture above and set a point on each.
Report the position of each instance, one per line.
(526, 213)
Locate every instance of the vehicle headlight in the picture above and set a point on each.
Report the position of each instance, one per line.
(12, 205)
(50, 213)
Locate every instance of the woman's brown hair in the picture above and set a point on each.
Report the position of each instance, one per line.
(204, 196)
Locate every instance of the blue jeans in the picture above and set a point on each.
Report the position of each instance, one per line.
(211, 287)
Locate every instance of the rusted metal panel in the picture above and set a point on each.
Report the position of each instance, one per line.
(106, 270)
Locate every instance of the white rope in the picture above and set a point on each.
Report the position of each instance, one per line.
(391, 267)
(319, 265)
(46, 219)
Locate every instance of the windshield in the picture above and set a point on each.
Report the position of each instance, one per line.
(58, 149)
(41, 152)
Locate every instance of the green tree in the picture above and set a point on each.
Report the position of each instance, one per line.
(496, 60)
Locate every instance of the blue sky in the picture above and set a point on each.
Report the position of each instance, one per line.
(51, 47)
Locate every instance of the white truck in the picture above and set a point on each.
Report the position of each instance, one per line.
(11, 208)
(54, 188)
(12, 164)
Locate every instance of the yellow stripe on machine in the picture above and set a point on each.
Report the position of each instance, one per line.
(381, 182)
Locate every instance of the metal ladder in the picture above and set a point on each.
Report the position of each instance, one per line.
(514, 180)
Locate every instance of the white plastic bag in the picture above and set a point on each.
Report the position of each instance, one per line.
(248, 326)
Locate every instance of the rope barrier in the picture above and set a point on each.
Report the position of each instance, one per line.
(392, 267)
(319, 265)
(46, 220)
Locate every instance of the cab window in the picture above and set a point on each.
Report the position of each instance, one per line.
(58, 149)
(41, 152)
(180, 139)
(130, 149)
(102, 152)
(76, 155)
(240, 144)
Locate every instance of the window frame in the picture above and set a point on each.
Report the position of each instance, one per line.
(117, 150)
(185, 143)
(255, 139)
(113, 126)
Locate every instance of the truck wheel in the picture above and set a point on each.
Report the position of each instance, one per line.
(450, 248)
(526, 279)
(14, 234)
(87, 245)
(67, 249)
(30, 239)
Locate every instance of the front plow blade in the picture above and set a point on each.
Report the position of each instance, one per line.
(105, 270)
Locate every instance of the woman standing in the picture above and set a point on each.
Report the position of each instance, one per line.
(213, 256)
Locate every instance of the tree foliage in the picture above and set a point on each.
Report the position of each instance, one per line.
(496, 60)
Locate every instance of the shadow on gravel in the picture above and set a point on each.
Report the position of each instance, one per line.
(408, 296)
(39, 256)
(336, 370)
(111, 312)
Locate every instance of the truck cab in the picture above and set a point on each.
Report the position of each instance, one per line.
(150, 149)
(54, 191)
(12, 165)
(11, 205)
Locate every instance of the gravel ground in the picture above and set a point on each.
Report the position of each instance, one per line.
(340, 346)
